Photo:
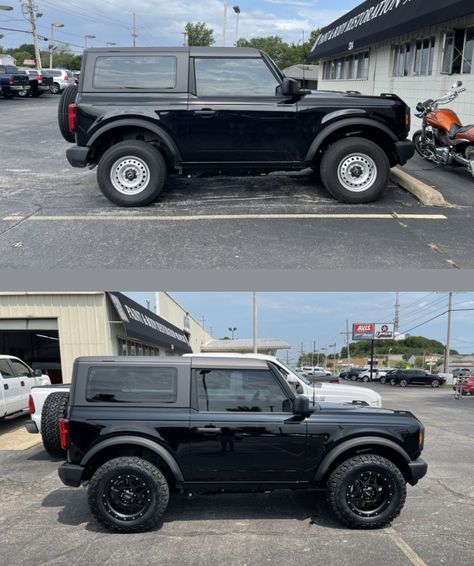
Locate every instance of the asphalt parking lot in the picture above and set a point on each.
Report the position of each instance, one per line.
(43, 522)
(54, 216)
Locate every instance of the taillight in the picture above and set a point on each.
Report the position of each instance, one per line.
(40, 79)
(66, 78)
(72, 117)
(64, 433)
(12, 79)
(31, 405)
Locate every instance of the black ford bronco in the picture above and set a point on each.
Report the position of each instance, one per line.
(142, 113)
(138, 427)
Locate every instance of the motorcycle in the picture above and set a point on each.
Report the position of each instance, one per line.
(442, 138)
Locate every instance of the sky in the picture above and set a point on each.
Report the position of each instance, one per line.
(321, 317)
(161, 22)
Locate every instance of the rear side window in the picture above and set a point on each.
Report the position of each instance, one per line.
(150, 72)
(5, 369)
(131, 384)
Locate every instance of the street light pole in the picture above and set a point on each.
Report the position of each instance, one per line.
(237, 11)
(54, 25)
(255, 323)
(232, 329)
(225, 22)
(86, 37)
(448, 337)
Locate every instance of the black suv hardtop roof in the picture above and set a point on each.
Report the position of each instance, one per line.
(193, 51)
(194, 361)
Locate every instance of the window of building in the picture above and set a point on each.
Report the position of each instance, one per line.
(458, 52)
(351, 67)
(255, 391)
(424, 54)
(234, 77)
(132, 384)
(135, 72)
(402, 60)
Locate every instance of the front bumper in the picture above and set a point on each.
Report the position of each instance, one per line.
(417, 470)
(70, 474)
(405, 150)
(31, 427)
(77, 155)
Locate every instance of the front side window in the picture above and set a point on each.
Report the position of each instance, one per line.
(255, 391)
(20, 369)
(234, 77)
(135, 72)
(132, 384)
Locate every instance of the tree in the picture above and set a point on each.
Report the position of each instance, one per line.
(199, 34)
(273, 45)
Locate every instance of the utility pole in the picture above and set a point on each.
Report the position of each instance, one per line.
(255, 323)
(448, 337)
(314, 351)
(30, 10)
(347, 334)
(225, 22)
(396, 320)
(134, 30)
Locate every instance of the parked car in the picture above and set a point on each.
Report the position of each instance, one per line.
(377, 374)
(388, 376)
(39, 84)
(12, 81)
(353, 373)
(226, 110)
(322, 377)
(16, 382)
(406, 377)
(311, 370)
(62, 79)
(139, 427)
(467, 384)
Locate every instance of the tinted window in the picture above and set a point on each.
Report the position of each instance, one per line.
(240, 390)
(20, 369)
(52, 73)
(132, 384)
(135, 72)
(234, 77)
(5, 369)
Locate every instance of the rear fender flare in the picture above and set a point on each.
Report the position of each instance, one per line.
(356, 443)
(343, 123)
(137, 441)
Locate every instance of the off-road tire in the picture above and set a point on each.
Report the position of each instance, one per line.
(68, 97)
(54, 408)
(339, 482)
(159, 495)
(146, 153)
(335, 155)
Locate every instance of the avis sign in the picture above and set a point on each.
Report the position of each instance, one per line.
(373, 331)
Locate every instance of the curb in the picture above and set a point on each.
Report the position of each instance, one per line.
(426, 194)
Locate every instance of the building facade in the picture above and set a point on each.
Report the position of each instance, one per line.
(49, 330)
(413, 48)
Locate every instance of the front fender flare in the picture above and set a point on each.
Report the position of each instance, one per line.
(139, 123)
(339, 124)
(137, 441)
(356, 443)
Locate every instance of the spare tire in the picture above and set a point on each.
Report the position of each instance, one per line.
(67, 97)
(54, 408)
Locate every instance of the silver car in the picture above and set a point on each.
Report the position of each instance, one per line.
(62, 78)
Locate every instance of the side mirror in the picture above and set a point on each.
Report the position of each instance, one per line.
(299, 388)
(301, 406)
(37, 372)
(457, 84)
(292, 380)
(288, 87)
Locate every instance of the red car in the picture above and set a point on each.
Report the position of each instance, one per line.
(468, 386)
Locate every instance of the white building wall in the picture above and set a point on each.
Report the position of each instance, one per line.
(412, 89)
(82, 321)
(169, 309)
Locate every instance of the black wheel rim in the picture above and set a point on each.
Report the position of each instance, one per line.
(369, 494)
(127, 497)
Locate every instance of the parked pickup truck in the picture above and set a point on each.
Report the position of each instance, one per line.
(16, 382)
(140, 114)
(139, 427)
(39, 84)
(12, 81)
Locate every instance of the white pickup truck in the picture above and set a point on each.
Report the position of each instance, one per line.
(16, 382)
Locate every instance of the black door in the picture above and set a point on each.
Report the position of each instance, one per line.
(244, 429)
(235, 114)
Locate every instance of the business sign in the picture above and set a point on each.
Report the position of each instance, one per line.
(363, 331)
(379, 20)
(373, 331)
(384, 331)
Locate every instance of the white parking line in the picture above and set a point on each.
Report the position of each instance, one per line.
(188, 218)
(405, 547)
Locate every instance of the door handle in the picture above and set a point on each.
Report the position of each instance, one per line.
(210, 430)
(22, 383)
(5, 386)
(205, 112)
